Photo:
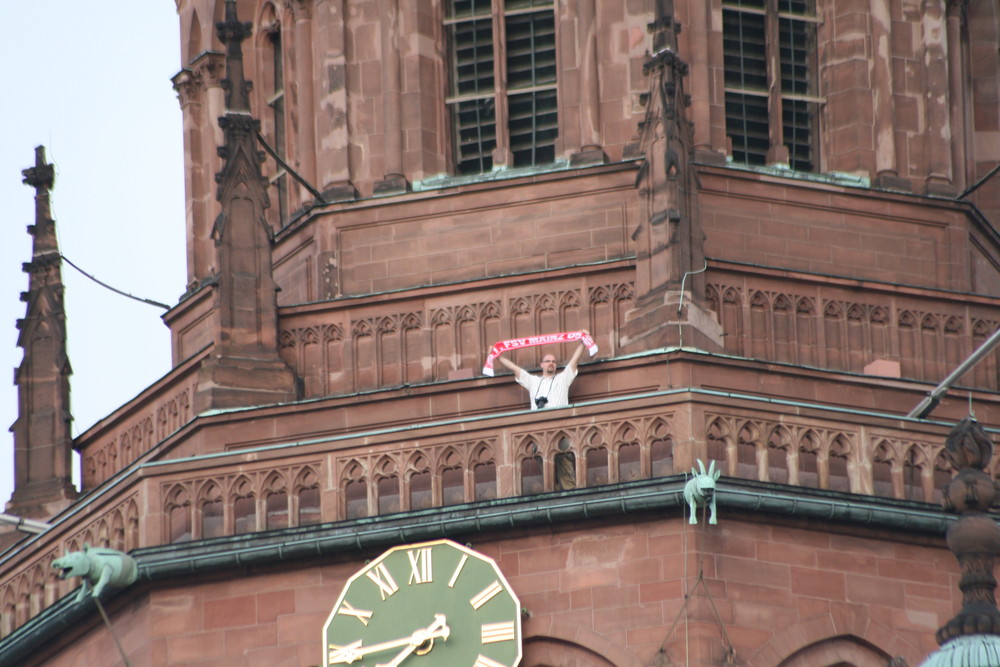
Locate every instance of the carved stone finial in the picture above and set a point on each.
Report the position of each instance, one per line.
(42, 176)
(975, 537)
(968, 446)
(42, 440)
(245, 367)
(670, 308)
(232, 32)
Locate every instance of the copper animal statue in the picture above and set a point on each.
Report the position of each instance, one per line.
(700, 491)
(99, 568)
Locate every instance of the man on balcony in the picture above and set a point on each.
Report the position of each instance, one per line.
(550, 389)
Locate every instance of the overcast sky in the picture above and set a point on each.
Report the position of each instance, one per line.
(91, 82)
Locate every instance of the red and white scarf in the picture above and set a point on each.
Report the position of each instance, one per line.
(531, 341)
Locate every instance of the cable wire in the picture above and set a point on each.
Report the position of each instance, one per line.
(113, 289)
(111, 630)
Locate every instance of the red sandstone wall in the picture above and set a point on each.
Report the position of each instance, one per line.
(611, 592)
(835, 230)
(532, 224)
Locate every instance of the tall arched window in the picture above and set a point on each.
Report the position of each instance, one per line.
(503, 82)
(772, 105)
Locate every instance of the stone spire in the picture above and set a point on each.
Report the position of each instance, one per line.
(670, 285)
(244, 368)
(42, 439)
(972, 637)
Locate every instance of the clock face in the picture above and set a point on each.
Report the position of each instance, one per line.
(425, 605)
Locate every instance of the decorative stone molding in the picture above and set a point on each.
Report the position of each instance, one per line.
(34, 586)
(820, 329)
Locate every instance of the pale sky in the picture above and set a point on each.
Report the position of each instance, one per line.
(91, 82)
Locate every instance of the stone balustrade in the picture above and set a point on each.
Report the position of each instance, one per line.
(478, 459)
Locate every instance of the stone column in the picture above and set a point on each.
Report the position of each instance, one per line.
(393, 180)
(333, 135)
(305, 149)
(777, 152)
(956, 93)
(199, 90)
(590, 97)
(709, 136)
(886, 169)
(936, 106)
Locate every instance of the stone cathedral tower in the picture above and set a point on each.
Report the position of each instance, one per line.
(778, 219)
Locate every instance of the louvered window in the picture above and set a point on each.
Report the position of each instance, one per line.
(503, 100)
(767, 110)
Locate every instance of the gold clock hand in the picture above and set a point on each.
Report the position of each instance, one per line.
(354, 651)
(347, 654)
(436, 630)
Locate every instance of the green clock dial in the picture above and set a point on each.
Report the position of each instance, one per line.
(425, 605)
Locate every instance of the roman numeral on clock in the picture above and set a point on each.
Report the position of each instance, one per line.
(458, 571)
(483, 661)
(386, 584)
(498, 632)
(421, 571)
(485, 595)
(362, 615)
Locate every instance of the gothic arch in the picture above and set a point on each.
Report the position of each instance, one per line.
(361, 329)
(482, 452)
(131, 526)
(8, 611)
(451, 457)
(466, 314)
(554, 643)
(886, 460)
(242, 487)
(844, 651)
(388, 325)
(520, 306)
(388, 491)
(275, 482)
(310, 336)
(661, 447)
(805, 305)
(484, 471)
(852, 639)
(546, 652)
(243, 497)
(545, 302)
(569, 299)
(748, 450)
(780, 454)
(712, 298)
(177, 509)
(857, 312)
(277, 501)
(354, 485)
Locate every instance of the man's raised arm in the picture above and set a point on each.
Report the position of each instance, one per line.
(511, 366)
(577, 353)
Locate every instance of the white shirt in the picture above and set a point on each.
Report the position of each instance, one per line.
(555, 388)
